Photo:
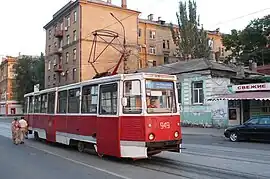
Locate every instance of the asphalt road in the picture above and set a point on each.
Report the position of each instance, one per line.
(205, 157)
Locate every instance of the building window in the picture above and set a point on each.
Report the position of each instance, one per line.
(51, 102)
(61, 26)
(49, 78)
(108, 99)
(54, 61)
(68, 39)
(74, 54)
(152, 50)
(68, 21)
(132, 91)
(61, 43)
(67, 57)
(168, 44)
(179, 90)
(54, 76)
(50, 34)
(66, 75)
(55, 45)
(164, 44)
(74, 100)
(62, 102)
(75, 16)
(154, 63)
(89, 99)
(166, 60)
(74, 73)
(74, 35)
(140, 32)
(49, 48)
(152, 34)
(49, 65)
(197, 92)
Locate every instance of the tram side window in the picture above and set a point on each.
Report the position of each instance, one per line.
(132, 91)
(31, 105)
(108, 99)
(44, 103)
(51, 102)
(62, 102)
(25, 105)
(89, 99)
(37, 104)
(74, 100)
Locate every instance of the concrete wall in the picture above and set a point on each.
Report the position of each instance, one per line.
(210, 113)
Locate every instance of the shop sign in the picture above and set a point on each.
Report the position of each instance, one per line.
(252, 87)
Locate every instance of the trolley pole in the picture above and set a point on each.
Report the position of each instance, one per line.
(126, 53)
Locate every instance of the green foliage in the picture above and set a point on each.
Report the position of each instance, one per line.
(29, 72)
(190, 38)
(250, 43)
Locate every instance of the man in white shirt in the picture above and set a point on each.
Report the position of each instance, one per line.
(23, 129)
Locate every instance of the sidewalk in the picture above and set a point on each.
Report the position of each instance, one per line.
(202, 131)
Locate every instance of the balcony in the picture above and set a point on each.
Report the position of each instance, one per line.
(58, 68)
(58, 33)
(57, 51)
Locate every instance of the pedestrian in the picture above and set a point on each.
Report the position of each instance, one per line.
(15, 128)
(23, 129)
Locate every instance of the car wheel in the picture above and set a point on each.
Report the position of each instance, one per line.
(233, 137)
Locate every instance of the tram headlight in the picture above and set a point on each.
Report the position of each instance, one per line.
(176, 134)
(151, 136)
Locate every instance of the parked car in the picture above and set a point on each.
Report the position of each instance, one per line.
(256, 128)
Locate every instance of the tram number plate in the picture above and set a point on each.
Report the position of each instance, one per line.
(165, 125)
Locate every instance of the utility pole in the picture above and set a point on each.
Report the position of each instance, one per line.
(125, 52)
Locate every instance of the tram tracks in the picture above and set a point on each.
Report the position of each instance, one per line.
(193, 171)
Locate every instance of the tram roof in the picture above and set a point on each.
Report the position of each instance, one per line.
(105, 80)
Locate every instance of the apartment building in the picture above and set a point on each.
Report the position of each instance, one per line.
(69, 39)
(155, 42)
(8, 104)
(157, 46)
(217, 48)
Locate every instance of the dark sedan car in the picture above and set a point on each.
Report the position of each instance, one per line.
(256, 128)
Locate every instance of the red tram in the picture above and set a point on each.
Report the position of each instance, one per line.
(125, 115)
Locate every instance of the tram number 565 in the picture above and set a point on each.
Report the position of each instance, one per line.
(165, 125)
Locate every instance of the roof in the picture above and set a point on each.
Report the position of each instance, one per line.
(191, 66)
(73, 3)
(245, 96)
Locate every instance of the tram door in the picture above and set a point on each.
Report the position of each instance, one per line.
(108, 132)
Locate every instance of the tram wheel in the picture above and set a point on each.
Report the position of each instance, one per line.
(81, 146)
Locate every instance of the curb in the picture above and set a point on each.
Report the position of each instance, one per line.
(203, 134)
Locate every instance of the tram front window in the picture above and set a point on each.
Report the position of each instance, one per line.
(160, 97)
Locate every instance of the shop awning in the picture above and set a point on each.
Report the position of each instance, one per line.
(244, 96)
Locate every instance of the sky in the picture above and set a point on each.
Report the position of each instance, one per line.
(22, 22)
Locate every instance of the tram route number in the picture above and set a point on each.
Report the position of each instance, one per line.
(165, 125)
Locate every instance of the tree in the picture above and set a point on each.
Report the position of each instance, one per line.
(29, 72)
(250, 43)
(191, 40)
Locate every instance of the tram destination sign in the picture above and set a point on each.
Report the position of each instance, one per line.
(252, 87)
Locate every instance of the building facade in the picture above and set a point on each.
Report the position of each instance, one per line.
(8, 104)
(157, 46)
(69, 39)
(199, 81)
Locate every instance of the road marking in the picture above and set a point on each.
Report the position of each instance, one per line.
(5, 134)
(81, 163)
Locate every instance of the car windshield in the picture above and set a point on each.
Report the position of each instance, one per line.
(160, 97)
